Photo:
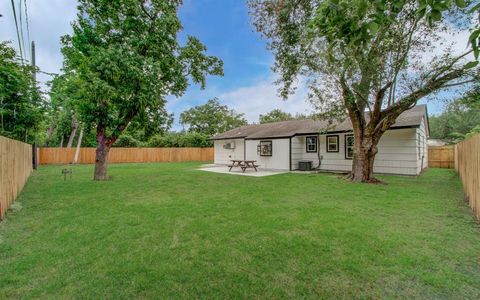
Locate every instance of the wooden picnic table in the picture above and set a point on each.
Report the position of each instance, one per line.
(243, 164)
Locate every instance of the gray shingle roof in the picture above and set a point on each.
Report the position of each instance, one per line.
(410, 118)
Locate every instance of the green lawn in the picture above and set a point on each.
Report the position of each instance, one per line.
(168, 230)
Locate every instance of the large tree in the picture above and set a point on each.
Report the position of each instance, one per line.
(211, 118)
(364, 58)
(128, 56)
(21, 103)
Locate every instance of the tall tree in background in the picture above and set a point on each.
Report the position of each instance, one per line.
(150, 123)
(277, 115)
(365, 58)
(211, 118)
(128, 58)
(65, 95)
(21, 104)
(460, 118)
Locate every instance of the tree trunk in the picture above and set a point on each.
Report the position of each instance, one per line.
(73, 132)
(79, 144)
(101, 156)
(363, 159)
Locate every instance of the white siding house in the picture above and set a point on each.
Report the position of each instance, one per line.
(401, 150)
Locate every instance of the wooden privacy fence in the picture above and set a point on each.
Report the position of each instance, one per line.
(48, 156)
(467, 164)
(15, 168)
(441, 157)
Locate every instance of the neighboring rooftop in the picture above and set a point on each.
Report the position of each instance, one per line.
(410, 118)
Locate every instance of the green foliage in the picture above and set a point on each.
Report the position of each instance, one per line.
(21, 104)
(475, 130)
(181, 139)
(150, 123)
(168, 230)
(433, 10)
(211, 118)
(126, 140)
(275, 115)
(278, 115)
(127, 59)
(66, 94)
(460, 118)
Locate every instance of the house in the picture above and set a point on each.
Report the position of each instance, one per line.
(282, 145)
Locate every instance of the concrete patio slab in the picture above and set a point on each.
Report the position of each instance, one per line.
(238, 171)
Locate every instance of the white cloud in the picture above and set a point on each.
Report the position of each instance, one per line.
(263, 97)
(453, 40)
(48, 21)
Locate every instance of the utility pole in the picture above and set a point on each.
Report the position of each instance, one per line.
(34, 146)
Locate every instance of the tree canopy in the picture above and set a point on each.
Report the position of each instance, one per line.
(211, 118)
(277, 115)
(21, 103)
(365, 59)
(127, 56)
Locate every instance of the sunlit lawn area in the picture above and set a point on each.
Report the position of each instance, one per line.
(169, 230)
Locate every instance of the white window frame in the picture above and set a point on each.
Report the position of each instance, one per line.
(337, 142)
(315, 143)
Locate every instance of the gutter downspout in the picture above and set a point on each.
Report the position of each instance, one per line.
(320, 157)
(290, 154)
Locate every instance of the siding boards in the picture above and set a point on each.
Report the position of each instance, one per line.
(280, 154)
(397, 153)
(223, 156)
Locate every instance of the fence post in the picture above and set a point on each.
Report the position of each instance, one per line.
(34, 156)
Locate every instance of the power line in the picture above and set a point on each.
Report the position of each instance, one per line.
(27, 21)
(16, 26)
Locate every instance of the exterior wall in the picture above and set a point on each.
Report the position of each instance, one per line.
(223, 156)
(422, 134)
(299, 151)
(400, 151)
(280, 154)
(397, 153)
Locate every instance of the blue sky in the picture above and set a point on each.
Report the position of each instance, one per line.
(222, 25)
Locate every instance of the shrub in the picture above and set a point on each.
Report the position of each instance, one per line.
(126, 140)
(182, 139)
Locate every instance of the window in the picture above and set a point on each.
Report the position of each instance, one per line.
(311, 142)
(265, 148)
(332, 143)
(349, 146)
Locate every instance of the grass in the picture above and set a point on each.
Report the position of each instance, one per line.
(170, 231)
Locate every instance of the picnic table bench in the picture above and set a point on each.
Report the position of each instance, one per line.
(243, 164)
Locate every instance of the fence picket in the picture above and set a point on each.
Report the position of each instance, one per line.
(123, 155)
(15, 168)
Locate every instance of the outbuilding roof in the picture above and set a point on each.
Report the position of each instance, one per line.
(410, 118)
